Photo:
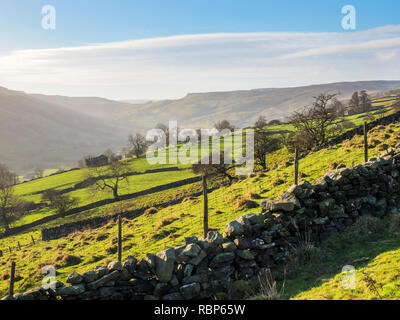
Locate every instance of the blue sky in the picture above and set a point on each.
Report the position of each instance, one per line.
(168, 69)
(88, 21)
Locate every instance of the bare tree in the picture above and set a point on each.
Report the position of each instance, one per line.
(355, 101)
(165, 129)
(264, 143)
(11, 206)
(39, 173)
(275, 122)
(224, 124)
(261, 122)
(61, 203)
(138, 144)
(365, 101)
(109, 178)
(315, 121)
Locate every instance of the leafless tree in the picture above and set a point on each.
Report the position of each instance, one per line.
(365, 101)
(224, 124)
(165, 129)
(314, 122)
(39, 173)
(138, 144)
(60, 202)
(264, 143)
(261, 122)
(109, 178)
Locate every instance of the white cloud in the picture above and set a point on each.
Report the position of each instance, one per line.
(173, 66)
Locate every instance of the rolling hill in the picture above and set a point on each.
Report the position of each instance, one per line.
(35, 133)
(243, 107)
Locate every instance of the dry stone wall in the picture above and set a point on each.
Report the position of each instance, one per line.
(250, 245)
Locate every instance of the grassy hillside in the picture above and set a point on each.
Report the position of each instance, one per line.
(243, 107)
(371, 246)
(169, 226)
(55, 131)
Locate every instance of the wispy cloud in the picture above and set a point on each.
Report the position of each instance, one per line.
(173, 66)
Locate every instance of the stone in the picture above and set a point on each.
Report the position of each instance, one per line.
(214, 237)
(142, 286)
(161, 289)
(190, 240)
(125, 275)
(173, 296)
(266, 236)
(74, 278)
(190, 291)
(321, 221)
(296, 190)
(277, 205)
(197, 260)
(130, 264)
(90, 276)
(191, 250)
(242, 243)
(165, 264)
(198, 277)
(115, 266)
(233, 229)
(229, 246)
(257, 243)
(71, 290)
(254, 218)
(289, 197)
(222, 258)
(103, 280)
(174, 281)
(101, 271)
(326, 205)
(188, 270)
(305, 185)
(245, 254)
(141, 275)
(150, 259)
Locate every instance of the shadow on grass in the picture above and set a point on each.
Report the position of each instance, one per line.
(333, 254)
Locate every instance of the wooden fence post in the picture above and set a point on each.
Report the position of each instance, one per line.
(12, 279)
(119, 239)
(33, 239)
(365, 142)
(296, 166)
(205, 205)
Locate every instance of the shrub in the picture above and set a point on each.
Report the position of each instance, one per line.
(268, 288)
(245, 203)
(150, 211)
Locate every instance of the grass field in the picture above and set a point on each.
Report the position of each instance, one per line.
(169, 226)
(371, 247)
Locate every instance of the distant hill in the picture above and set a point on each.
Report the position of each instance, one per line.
(38, 133)
(51, 131)
(243, 107)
